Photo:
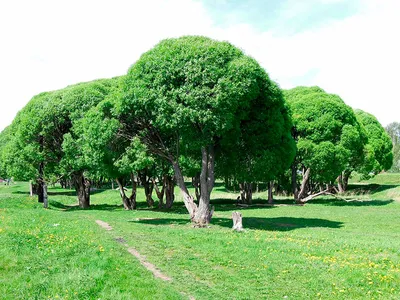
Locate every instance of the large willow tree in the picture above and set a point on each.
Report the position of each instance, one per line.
(329, 139)
(187, 95)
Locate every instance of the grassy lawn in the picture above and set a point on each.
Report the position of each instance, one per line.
(328, 249)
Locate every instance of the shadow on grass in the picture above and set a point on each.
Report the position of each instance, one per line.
(269, 224)
(75, 207)
(336, 202)
(372, 188)
(60, 193)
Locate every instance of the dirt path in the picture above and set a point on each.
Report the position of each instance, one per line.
(142, 259)
(105, 225)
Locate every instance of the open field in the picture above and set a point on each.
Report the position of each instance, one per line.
(328, 249)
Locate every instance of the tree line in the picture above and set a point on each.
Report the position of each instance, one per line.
(197, 108)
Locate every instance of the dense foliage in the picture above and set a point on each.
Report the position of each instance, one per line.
(193, 107)
(329, 137)
(203, 99)
(379, 154)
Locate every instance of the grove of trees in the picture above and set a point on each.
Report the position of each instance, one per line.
(196, 108)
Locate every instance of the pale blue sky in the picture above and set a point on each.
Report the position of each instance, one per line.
(284, 17)
(347, 47)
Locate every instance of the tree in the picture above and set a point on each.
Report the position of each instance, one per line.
(106, 150)
(45, 145)
(66, 109)
(379, 154)
(328, 138)
(260, 155)
(185, 96)
(23, 155)
(393, 129)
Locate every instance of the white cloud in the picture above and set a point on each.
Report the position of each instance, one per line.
(47, 45)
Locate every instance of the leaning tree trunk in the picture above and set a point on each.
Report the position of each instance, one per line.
(169, 191)
(82, 187)
(187, 198)
(304, 186)
(125, 200)
(199, 215)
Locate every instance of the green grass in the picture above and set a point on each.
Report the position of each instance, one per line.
(329, 249)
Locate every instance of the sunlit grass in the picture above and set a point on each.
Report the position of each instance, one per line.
(328, 249)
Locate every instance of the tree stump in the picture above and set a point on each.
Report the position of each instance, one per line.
(237, 221)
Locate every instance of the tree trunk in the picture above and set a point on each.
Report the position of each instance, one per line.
(125, 200)
(204, 212)
(160, 194)
(132, 198)
(346, 176)
(187, 198)
(196, 185)
(112, 184)
(237, 221)
(242, 189)
(148, 188)
(45, 196)
(82, 187)
(270, 196)
(249, 193)
(40, 183)
(340, 184)
(31, 188)
(246, 192)
(304, 185)
(294, 182)
(169, 191)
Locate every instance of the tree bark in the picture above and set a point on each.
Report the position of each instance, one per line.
(196, 185)
(304, 184)
(237, 221)
(169, 191)
(148, 188)
(40, 182)
(204, 212)
(270, 196)
(45, 196)
(31, 188)
(187, 198)
(246, 192)
(160, 194)
(125, 200)
(340, 184)
(82, 187)
(132, 198)
(346, 176)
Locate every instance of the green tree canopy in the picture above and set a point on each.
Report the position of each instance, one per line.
(188, 94)
(329, 137)
(379, 154)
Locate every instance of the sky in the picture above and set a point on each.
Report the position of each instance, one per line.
(347, 47)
